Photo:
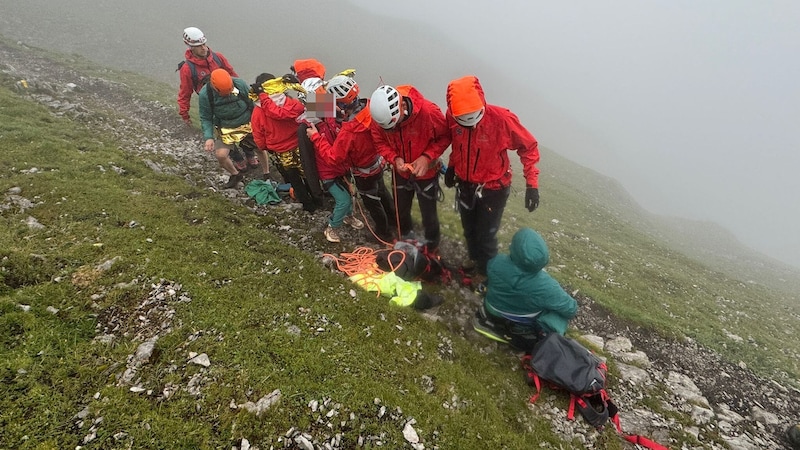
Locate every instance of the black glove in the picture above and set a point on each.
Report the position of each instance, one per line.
(256, 88)
(450, 176)
(531, 198)
(291, 79)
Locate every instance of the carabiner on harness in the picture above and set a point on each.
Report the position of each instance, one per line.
(479, 191)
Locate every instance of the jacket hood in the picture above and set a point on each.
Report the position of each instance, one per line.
(406, 90)
(465, 95)
(308, 68)
(528, 250)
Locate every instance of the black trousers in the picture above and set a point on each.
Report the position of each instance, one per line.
(378, 202)
(481, 213)
(427, 193)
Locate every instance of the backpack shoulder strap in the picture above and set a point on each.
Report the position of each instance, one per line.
(216, 58)
(193, 68)
(210, 96)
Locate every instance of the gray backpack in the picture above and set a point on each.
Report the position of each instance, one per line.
(564, 364)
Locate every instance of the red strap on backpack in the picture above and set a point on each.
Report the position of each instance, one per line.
(532, 377)
(636, 438)
(571, 410)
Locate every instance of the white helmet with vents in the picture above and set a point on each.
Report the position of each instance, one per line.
(193, 37)
(384, 106)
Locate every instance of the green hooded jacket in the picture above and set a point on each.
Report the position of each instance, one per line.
(518, 286)
(230, 111)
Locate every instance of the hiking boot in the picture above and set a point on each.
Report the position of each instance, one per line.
(353, 222)
(252, 161)
(240, 165)
(233, 181)
(332, 235)
(485, 326)
(468, 267)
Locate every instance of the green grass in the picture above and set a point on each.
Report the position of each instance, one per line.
(241, 313)
(257, 305)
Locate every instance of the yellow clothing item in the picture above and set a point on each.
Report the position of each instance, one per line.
(402, 292)
(232, 136)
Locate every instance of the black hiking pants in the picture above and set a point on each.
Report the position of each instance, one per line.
(378, 202)
(481, 212)
(427, 193)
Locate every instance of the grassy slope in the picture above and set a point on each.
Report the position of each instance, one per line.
(241, 312)
(247, 288)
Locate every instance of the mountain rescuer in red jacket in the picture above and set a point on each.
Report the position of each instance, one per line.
(199, 62)
(353, 147)
(275, 124)
(411, 133)
(481, 136)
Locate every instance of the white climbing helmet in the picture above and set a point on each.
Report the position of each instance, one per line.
(384, 106)
(193, 37)
(344, 88)
(470, 119)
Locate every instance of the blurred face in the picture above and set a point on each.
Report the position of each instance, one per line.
(201, 51)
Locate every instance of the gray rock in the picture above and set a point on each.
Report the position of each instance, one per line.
(765, 417)
(201, 360)
(144, 351)
(618, 345)
(633, 375)
(685, 388)
(33, 224)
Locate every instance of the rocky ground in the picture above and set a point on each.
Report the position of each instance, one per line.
(724, 404)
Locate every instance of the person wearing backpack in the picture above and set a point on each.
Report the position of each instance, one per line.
(225, 112)
(523, 303)
(199, 61)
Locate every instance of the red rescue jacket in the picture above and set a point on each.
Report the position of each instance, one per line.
(275, 127)
(479, 154)
(353, 146)
(423, 132)
(203, 68)
(328, 130)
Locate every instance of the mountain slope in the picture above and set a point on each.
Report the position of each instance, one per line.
(331, 352)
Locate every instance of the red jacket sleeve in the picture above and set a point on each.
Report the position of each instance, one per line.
(382, 145)
(257, 124)
(527, 148)
(292, 109)
(332, 154)
(185, 91)
(441, 132)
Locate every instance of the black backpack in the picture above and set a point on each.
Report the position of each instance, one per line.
(199, 83)
(567, 365)
(564, 364)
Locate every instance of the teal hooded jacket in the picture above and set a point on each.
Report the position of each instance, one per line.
(229, 111)
(519, 289)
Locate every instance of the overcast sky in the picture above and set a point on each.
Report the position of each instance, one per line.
(693, 105)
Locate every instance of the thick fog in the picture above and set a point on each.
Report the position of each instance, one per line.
(692, 106)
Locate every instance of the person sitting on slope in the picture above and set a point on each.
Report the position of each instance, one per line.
(523, 302)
